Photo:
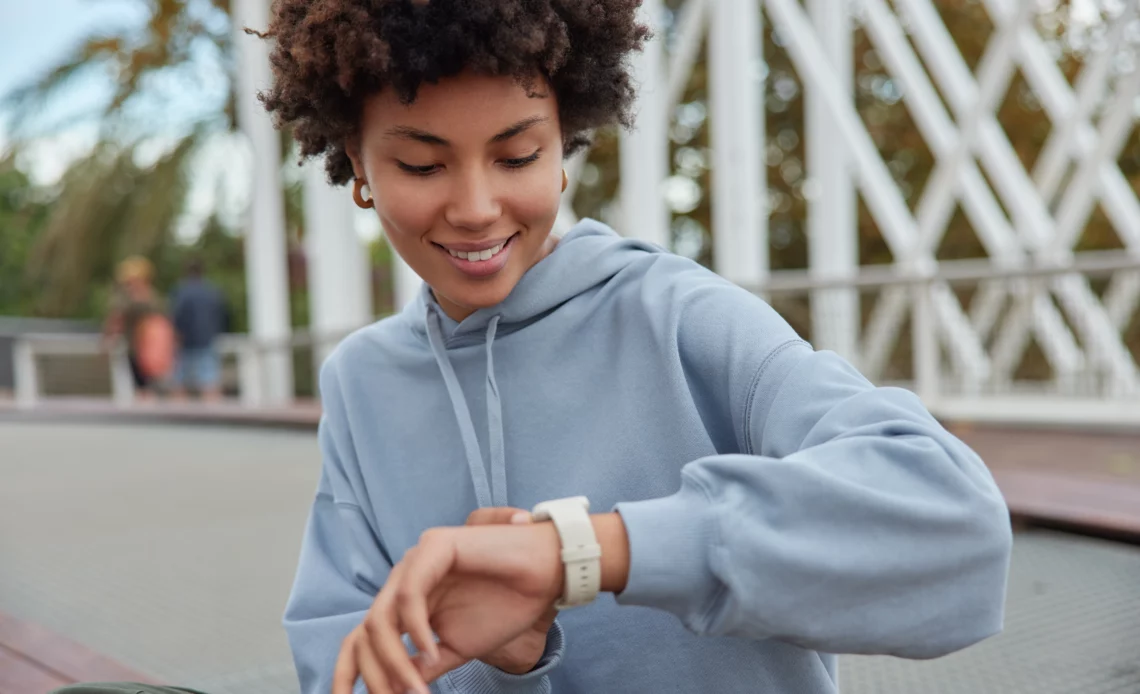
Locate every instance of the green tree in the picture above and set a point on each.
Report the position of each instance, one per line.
(23, 213)
(107, 205)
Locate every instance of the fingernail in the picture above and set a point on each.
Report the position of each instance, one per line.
(520, 518)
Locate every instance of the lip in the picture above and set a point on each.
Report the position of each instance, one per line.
(475, 246)
(479, 268)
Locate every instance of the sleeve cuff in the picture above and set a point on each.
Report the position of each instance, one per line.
(671, 542)
(479, 678)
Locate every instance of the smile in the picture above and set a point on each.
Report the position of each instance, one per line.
(477, 262)
(485, 254)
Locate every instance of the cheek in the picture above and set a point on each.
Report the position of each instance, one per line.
(532, 200)
(407, 209)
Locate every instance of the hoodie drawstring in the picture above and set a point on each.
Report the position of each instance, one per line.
(483, 492)
(495, 423)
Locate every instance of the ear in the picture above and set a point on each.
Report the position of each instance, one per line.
(352, 149)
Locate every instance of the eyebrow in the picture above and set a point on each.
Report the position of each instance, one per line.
(408, 133)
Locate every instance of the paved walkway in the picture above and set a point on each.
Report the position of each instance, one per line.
(171, 549)
(1089, 480)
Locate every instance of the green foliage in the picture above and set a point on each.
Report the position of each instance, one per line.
(48, 271)
(382, 255)
(22, 216)
(108, 207)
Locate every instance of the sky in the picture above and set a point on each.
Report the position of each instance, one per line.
(36, 35)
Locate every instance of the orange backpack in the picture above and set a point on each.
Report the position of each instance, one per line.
(154, 346)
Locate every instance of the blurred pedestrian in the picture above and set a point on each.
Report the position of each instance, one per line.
(138, 316)
(200, 315)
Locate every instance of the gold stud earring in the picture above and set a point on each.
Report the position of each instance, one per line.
(565, 180)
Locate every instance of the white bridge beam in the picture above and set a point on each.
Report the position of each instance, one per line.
(267, 280)
(739, 182)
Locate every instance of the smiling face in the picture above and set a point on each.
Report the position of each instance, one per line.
(466, 182)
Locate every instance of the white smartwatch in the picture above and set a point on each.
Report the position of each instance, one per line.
(581, 553)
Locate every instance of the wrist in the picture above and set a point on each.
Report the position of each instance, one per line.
(610, 531)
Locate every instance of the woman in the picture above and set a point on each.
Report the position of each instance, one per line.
(137, 314)
(762, 506)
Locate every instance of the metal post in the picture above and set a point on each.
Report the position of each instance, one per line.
(250, 370)
(265, 250)
(832, 223)
(122, 382)
(25, 374)
(645, 150)
(340, 293)
(739, 211)
(925, 344)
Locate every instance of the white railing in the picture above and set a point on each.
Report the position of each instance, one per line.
(1024, 216)
(1084, 388)
(27, 348)
(248, 356)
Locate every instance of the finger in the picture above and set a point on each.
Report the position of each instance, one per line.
(346, 670)
(448, 661)
(495, 515)
(418, 625)
(383, 630)
(413, 618)
(375, 679)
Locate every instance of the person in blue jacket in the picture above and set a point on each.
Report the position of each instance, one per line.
(760, 506)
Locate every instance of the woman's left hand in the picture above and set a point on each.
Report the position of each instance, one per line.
(522, 654)
(477, 587)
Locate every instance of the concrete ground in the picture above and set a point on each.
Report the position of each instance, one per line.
(172, 548)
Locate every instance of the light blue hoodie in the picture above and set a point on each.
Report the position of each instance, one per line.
(779, 507)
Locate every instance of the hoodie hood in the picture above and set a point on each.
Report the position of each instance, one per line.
(588, 255)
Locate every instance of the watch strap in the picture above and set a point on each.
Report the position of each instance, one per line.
(581, 553)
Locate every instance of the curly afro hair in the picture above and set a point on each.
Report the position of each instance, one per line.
(329, 55)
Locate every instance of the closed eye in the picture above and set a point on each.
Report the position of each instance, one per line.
(522, 161)
(427, 170)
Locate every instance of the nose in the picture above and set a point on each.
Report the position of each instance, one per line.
(474, 203)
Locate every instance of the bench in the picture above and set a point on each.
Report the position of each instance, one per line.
(35, 660)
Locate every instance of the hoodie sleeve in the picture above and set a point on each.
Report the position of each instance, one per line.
(343, 565)
(850, 521)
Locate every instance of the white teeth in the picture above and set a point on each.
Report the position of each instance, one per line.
(485, 254)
